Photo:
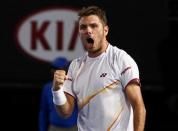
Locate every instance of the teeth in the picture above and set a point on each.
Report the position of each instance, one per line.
(90, 40)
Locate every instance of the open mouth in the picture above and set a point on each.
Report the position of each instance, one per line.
(90, 40)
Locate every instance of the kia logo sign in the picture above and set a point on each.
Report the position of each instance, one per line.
(50, 33)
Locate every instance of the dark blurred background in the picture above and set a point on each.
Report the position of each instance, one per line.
(145, 29)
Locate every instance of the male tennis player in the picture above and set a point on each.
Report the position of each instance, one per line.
(104, 82)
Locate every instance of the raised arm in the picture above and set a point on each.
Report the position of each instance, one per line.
(64, 102)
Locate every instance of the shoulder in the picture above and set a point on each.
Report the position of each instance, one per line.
(116, 53)
(120, 58)
(75, 63)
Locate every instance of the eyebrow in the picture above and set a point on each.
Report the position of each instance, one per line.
(91, 24)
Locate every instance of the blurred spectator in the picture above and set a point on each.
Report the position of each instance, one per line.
(49, 119)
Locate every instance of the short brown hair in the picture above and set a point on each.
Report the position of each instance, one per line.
(93, 10)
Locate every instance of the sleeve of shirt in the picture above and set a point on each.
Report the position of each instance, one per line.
(68, 84)
(128, 70)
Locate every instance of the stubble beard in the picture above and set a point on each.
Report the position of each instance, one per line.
(95, 50)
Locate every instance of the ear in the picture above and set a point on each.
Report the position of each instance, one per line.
(106, 30)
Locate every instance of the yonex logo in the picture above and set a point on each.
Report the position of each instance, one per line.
(103, 74)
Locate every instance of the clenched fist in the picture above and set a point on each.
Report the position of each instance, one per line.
(59, 78)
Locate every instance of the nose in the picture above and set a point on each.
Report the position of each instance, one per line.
(88, 31)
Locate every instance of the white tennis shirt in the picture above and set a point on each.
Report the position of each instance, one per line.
(98, 86)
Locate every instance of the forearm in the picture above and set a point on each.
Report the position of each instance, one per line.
(139, 118)
(64, 110)
(63, 102)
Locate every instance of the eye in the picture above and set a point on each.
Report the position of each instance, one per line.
(83, 27)
(94, 25)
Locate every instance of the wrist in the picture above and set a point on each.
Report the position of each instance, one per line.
(56, 88)
(59, 97)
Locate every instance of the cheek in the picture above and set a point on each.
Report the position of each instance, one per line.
(100, 34)
(82, 37)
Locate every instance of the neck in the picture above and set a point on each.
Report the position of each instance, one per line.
(99, 51)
